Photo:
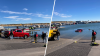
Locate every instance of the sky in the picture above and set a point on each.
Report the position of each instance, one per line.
(25, 11)
(40, 11)
(75, 10)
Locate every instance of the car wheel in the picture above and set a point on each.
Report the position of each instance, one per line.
(55, 37)
(25, 37)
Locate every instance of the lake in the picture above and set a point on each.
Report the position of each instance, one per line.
(69, 31)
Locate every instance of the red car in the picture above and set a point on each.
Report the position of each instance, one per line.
(17, 33)
(79, 30)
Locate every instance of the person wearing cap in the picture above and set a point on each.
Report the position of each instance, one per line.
(93, 35)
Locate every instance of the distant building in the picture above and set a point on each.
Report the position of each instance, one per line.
(82, 22)
(78, 22)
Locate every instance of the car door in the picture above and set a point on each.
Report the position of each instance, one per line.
(15, 33)
(19, 33)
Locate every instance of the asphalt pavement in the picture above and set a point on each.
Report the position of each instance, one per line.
(21, 47)
(72, 47)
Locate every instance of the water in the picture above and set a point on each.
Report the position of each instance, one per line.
(69, 31)
(13, 27)
(42, 30)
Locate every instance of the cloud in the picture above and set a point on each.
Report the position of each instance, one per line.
(46, 17)
(12, 17)
(25, 13)
(17, 19)
(25, 18)
(62, 15)
(39, 15)
(11, 12)
(43, 16)
(56, 13)
(25, 9)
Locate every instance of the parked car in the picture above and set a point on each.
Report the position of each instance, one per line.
(17, 33)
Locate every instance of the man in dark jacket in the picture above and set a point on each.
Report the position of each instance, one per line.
(93, 35)
(43, 36)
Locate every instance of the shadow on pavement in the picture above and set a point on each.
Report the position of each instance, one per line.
(84, 42)
(51, 40)
(4, 38)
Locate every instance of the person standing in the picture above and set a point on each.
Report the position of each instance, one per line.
(11, 35)
(43, 36)
(93, 35)
(35, 37)
(29, 28)
(0, 32)
(53, 26)
(58, 34)
(46, 37)
(17, 27)
(32, 28)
